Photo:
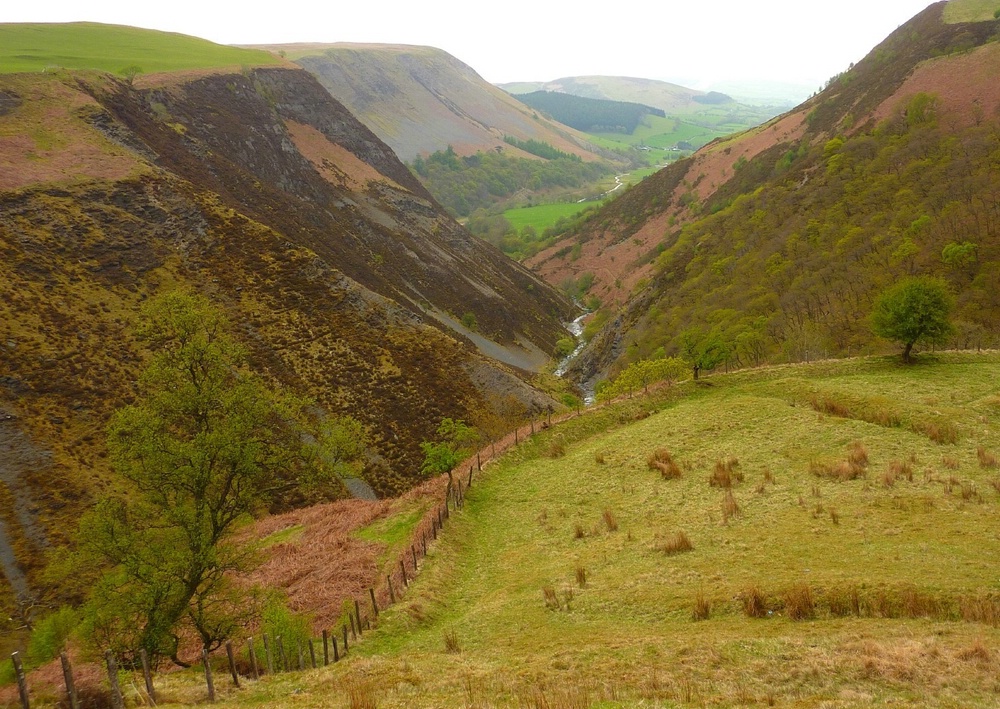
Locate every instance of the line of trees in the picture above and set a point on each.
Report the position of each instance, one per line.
(590, 114)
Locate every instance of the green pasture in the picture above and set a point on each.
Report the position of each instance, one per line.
(112, 48)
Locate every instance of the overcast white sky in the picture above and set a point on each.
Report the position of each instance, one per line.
(796, 41)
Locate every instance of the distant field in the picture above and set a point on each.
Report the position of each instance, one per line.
(112, 48)
(970, 10)
(543, 216)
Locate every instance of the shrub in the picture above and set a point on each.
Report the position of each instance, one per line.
(49, 635)
(676, 543)
(754, 602)
(664, 462)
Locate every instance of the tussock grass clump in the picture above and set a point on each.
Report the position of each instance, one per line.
(702, 607)
(799, 604)
(834, 516)
(984, 608)
(599, 458)
(581, 576)
(768, 476)
(726, 473)
(914, 603)
(842, 470)
(677, 543)
(870, 411)
(977, 652)
(857, 455)
(551, 598)
(844, 601)
(578, 531)
(950, 463)
(610, 521)
(987, 460)
(451, 644)
(940, 433)
(664, 462)
(360, 692)
(753, 601)
(995, 483)
(730, 508)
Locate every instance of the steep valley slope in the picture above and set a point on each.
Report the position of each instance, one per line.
(778, 240)
(344, 278)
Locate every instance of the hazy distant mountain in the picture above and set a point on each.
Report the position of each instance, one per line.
(671, 98)
(420, 99)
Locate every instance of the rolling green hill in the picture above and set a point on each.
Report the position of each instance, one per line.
(112, 48)
(825, 536)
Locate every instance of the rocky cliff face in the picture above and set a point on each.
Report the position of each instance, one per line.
(341, 274)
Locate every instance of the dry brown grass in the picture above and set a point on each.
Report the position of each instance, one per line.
(610, 521)
(360, 692)
(556, 449)
(984, 608)
(753, 601)
(976, 652)
(941, 433)
(664, 462)
(730, 508)
(857, 454)
(677, 543)
(901, 469)
(798, 602)
(725, 473)
(702, 607)
(987, 459)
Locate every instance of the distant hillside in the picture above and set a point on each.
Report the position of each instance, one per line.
(671, 98)
(588, 114)
(114, 48)
(344, 279)
(420, 100)
(778, 240)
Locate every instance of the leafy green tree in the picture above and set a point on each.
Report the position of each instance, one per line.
(455, 442)
(206, 446)
(915, 309)
(703, 351)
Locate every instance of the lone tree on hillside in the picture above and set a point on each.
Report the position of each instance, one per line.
(703, 351)
(456, 441)
(914, 309)
(206, 446)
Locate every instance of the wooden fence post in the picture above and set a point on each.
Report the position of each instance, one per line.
(424, 540)
(392, 593)
(371, 592)
(302, 662)
(515, 435)
(232, 664)
(279, 647)
(413, 552)
(336, 653)
(402, 568)
(116, 692)
(345, 639)
(354, 630)
(208, 675)
(479, 464)
(253, 659)
(470, 477)
(357, 613)
(326, 647)
(312, 653)
(147, 676)
(532, 427)
(74, 702)
(22, 683)
(268, 655)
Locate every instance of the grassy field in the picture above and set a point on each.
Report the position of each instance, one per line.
(112, 48)
(970, 10)
(542, 216)
(566, 580)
